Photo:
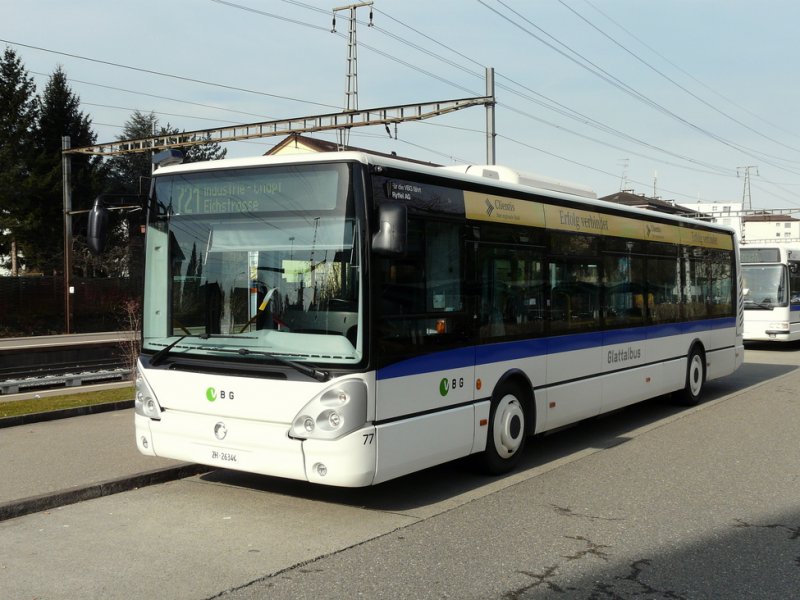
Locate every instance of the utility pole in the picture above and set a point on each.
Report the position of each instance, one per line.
(747, 198)
(491, 135)
(351, 80)
(66, 182)
(623, 181)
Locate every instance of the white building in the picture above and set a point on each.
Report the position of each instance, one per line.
(770, 228)
(724, 213)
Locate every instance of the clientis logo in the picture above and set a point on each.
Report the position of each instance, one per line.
(211, 394)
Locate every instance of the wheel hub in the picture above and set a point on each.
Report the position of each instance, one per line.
(509, 426)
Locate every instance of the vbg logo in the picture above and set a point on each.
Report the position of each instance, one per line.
(446, 384)
(212, 394)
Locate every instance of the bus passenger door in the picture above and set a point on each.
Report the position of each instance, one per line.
(627, 303)
(575, 346)
(423, 350)
(510, 316)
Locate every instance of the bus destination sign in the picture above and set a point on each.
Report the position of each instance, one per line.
(257, 191)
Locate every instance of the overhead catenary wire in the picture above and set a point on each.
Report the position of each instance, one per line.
(160, 97)
(677, 67)
(559, 108)
(169, 75)
(567, 112)
(508, 82)
(604, 75)
(680, 86)
(405, 63)
(553, 106)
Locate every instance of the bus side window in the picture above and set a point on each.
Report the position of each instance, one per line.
(721, 274)
(794, 282)
(574, 296)
(664, 283)
(626, 297)
(512, 292)
(697, 284)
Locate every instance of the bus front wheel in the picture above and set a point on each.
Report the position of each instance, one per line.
(695, 378)
(507, 430)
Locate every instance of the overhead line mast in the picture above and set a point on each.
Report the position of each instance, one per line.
(351, 79)
(747, 198)
(360, 118)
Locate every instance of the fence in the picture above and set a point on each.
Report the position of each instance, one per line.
(35, 305)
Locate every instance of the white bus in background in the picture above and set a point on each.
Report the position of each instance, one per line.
(771, 288)
(346, 319)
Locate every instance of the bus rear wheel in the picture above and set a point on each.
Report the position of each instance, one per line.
(695, 379)
(507, 430)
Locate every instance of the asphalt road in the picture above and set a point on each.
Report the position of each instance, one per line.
(651, 502)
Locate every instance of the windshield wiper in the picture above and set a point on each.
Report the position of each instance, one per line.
(317, 374)
(162, 354)
(763, 305)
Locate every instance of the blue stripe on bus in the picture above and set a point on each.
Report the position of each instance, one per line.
(428, 363)
(723, 323)
(505, 351)
(794, 313)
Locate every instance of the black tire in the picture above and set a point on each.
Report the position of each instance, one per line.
(695, 379)
(507, 434)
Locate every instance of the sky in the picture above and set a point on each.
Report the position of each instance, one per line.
(677, 99)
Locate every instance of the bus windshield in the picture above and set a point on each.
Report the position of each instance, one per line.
(764, 286)
(254, 262)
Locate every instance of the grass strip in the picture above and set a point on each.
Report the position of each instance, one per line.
(14, 408)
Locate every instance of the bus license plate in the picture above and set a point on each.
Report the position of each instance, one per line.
(224, 456)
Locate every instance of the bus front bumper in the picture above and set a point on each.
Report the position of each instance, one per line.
(258, 447)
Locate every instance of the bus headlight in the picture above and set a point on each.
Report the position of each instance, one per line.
(337, 411)
(145, 403)
(779, 326)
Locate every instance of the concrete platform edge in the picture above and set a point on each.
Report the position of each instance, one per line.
(26, 506)
(65, 413)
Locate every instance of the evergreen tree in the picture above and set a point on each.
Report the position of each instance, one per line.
(17, 120)
(131, 173)
(206, 151)
(58, 115)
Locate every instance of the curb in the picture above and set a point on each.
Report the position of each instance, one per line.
(33, 504)
(65, 413)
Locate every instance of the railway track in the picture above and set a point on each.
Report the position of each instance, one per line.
(48, 362)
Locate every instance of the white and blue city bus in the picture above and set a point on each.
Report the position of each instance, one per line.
(345, 318)
(771, 276)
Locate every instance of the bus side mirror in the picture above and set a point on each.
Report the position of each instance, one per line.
(390, 239)
(97, 230)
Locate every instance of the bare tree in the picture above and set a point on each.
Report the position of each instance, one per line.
(131, 346)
